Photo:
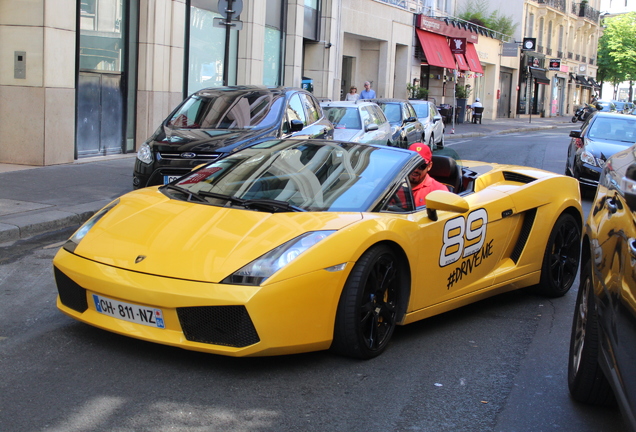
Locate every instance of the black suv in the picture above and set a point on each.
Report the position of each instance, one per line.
(215, 122)
(406, 129)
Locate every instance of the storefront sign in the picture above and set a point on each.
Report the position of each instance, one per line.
(555, 64)
(458, 45)
(440, 27)
(510, 49)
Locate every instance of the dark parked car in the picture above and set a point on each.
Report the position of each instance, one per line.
(602, 360)
(215, 122)
(405, 127)
(601, 135)
(621, 107)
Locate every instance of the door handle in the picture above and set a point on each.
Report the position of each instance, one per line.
(610, 203)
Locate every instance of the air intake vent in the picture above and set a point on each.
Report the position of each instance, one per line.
(517, 178)
(218, 325)
(71, 294)
(526, 228)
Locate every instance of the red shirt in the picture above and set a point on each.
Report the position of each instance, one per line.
(421, 190)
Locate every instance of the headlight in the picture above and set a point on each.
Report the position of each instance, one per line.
(588, 158)
(72, 243)
(145, 153)
(262, 268)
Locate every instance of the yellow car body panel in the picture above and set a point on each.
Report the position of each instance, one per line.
(188, 249)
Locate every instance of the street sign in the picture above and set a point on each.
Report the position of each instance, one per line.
(223, 23)
(237, 8)
(529, 44)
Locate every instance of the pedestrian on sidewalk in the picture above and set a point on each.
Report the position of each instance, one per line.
(368, 92)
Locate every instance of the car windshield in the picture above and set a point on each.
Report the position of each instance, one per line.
(393, 112)
(229, 110)
(305, 175)
(343, 117)
(421, 110)
(615, 129)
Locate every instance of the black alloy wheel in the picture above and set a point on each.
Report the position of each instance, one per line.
(367, 311)
(586, 380)
(561, 258)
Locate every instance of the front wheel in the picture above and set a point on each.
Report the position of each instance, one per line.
(586, 380)
(561, 258)
(442, 142)
(431, 142)
(575, 119)
(367, 311)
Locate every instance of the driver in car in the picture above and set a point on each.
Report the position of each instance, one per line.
(421, 183)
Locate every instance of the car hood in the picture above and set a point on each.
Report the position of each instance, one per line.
(193, 241)
(346, 134)
(605, 148)
(206, 140)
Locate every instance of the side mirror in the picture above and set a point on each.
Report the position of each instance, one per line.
(296, 125)
(445, 201)
(410, 120)
(575, 134)
(371, 127)
(628, 185)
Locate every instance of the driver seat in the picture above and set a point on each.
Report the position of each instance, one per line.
(445, 170)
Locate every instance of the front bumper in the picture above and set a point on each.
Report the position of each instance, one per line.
(588, 175)
(290, 316)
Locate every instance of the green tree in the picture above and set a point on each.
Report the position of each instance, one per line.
(617, 50)
(476, 12)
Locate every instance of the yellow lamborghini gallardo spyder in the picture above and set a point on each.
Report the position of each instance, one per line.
(291, 246)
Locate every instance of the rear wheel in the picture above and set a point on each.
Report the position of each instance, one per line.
(561, 258)
(367, 311)
(586, 380)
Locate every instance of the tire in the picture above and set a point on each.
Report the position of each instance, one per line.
(367, 311)
(442, 142)
(586, 380)
(574, 119)
(431, 142)
(561, 258)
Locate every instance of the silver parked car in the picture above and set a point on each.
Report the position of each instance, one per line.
(360, 121)
(431, 119)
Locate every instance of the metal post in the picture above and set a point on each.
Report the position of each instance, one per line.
(228, 26)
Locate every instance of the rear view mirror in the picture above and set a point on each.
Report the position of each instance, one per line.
(575, 134)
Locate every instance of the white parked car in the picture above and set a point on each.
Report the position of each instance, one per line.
(359, 121)
(431, 119)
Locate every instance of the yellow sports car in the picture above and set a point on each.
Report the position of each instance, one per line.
(291, 246)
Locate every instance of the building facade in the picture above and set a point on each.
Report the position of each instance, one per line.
(90, 78)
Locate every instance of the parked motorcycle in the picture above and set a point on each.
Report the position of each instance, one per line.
(583, 112)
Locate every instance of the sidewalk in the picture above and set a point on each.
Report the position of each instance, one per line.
(36, 200)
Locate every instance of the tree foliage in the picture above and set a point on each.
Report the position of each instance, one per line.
(616, 50)
(476, 12)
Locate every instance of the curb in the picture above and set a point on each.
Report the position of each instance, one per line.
(29, 225)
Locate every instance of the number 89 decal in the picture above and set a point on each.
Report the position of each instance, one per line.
(463, 237)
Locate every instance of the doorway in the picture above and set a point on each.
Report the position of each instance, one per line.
(505, 88)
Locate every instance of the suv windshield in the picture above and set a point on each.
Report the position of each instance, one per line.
(306, 175)
(251, 110)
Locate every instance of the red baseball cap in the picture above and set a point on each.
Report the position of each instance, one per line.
(423, 150)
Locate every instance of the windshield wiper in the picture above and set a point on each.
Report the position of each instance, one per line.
(271, 204)
(232, 199)
(190, 194)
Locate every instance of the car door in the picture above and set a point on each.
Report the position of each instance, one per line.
(414, 128)
(615, 265)
(460, 251)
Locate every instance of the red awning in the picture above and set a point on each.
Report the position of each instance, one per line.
(436, 49)
(473, 59)
(461, 62)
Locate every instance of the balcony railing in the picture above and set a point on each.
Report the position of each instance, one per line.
(555, 4)
(584, 10)
(570, 55)
(548, 51)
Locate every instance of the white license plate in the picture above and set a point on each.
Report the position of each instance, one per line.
(129, 312)
(168, 179)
